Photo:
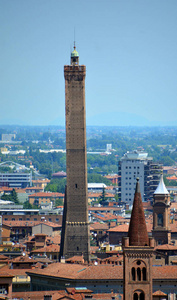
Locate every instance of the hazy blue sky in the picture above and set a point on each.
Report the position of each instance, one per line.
(128, 46)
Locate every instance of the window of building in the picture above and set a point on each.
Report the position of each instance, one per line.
(144, 274)
(135, 296)
(160, 220)
(138, 274)
(133, 274)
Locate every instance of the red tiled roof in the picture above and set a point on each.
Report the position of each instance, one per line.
(97, 226)
(5, 274)
(46, 194)
(164, 272)
(33, 188)
(171, 178)
(100, 271)
(50, 248)
(159, 293)
(23, 259)
(119, 228)
(21, 223)
(76, 271)
(166, 247)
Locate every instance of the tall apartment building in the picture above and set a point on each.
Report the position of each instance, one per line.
(137, 164)
(75, 228)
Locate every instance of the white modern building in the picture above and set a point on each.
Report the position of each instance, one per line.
(137, 164)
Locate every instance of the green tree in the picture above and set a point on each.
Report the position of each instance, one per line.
(56, 185)
(14, 197)
(27, 205)
(103, 200)
(58, 202)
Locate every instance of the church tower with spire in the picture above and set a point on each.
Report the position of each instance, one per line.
(161, 215)
(138, 252)
(75, 229)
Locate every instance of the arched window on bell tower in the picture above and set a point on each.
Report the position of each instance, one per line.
(138, 295)
(135, 296)
(138, 271)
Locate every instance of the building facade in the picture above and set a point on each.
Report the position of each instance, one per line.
(16, 179)
(75, 229)
(137, 164)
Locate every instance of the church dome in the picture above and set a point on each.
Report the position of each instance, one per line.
(74, 53)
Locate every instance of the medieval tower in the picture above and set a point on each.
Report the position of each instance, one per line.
(137, 251)
(161, 215)
(75, 229)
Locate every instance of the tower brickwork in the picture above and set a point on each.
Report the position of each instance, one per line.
(161, 215)
(138, 252)
(76, 231)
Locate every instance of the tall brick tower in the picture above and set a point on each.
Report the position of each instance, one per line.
(75, 230)
(138, 250)
(161, 215)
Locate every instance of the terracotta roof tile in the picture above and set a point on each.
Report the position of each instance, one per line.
(159, 293)
(50, 248)
(97, 226)
(100, 271)
(46, 194)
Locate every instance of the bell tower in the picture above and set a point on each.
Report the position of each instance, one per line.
(137, 252)
(75, 229)
(161, 215)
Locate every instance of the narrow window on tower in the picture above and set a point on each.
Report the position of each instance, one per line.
(133, 274)
(76, 185)
(160, 220)
(139, 274)
(144, 274)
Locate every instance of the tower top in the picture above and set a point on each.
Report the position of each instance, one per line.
(74, 57)
(137, 233)
(161, 189)
(74, 53)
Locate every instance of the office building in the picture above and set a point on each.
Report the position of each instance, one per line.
(137, 164)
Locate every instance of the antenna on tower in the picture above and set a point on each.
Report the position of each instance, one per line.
(74, 39)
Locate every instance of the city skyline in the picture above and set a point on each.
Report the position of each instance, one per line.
(129, 50)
